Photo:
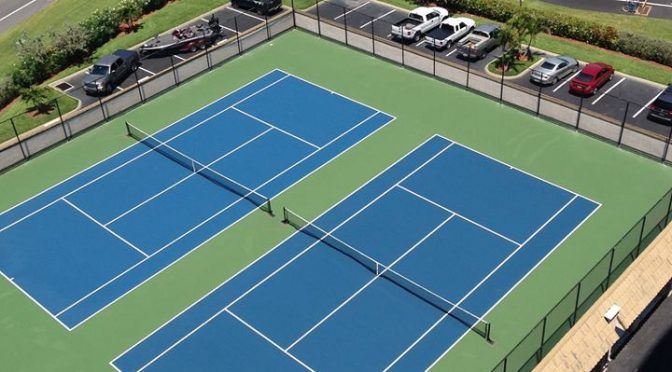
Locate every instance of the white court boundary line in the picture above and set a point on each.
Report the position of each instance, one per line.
(315, 243)
(276, 128)
(148, 151)
(105, 228)
(378, 197)
(281, 243)
(286, 75)
(518, 282)
(48, 189)
(220, 212)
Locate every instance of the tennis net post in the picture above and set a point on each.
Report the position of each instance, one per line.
(196, 167)
(477, 324)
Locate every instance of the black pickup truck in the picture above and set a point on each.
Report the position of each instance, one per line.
(109, 71)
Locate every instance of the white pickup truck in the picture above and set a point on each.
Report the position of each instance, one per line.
(451, 30)
(419, 21)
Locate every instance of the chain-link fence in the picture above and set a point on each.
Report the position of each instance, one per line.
(612, 119)
(19, 142)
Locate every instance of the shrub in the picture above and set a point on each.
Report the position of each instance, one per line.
(8, 91)
(38, 98)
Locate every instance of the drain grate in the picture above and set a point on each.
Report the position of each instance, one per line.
(64, 86)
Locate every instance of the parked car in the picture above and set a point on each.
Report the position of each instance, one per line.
(418, 22)
(451, 30)
(591, 78)
(479, 42)
(261, 7)
(661, 108)
(110, 70)
(552, 69)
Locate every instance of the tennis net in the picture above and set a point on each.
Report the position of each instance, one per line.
(196, 167)
(474, 322)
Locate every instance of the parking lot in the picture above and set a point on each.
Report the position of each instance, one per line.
(230, 19)
(612, 100)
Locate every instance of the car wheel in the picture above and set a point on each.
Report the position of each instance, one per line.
(193, 48)
(416, 38)
(108, 88)
(134, 67)
(555, 81)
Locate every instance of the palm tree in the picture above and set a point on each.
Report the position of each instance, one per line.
(529, 26)
(38, 98)
(509, 39)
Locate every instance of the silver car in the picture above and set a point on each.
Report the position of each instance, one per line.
(553, 69)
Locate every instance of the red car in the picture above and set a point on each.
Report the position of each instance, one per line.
(591, 78)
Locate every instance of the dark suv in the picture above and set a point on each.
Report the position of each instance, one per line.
(262, 7)
(661, 108)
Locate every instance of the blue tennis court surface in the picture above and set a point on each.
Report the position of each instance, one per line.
(389, 278)
(82, 244)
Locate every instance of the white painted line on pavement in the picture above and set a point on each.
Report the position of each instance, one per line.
(607, 91)
(420, 43)
(146, 70)
(451, 52)
(647, 104)
(17, 10)
(245, 13)
(382, 16)
(351, 10)
(566, 81)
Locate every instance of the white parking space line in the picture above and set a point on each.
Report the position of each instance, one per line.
(146, 70)
(420, 43)
(647, 104)
(178, 57)
(451, 52)
(220, 26)
(374, 20)
(244, 13)
(17, 10)
(351, 10)
(566, 81)
(607, 91)
(654, 4)
(119, 88)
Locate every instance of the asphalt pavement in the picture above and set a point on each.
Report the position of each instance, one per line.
(624, 97)
(13, 12)
(153, 64)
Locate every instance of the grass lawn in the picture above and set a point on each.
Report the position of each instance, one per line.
(25, 122)
(655, 28)
(518, 67)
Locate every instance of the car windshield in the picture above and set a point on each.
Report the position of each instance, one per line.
(664, 103)
(548, 66)
(415, 17)
(99, 70)
(584, 77)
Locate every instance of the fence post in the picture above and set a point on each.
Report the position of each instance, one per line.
(16, 133)
(667, 145)
(345, 25)
(434, 61)
(60, 117)
(373, 36)
(501, 83)
(137, 84)
(669, 207)
(403, 61)
(641, 235)
(293, 14)
(543, 336)
(578, 117)
(468, 70)
(317, 12)
(100, 103)
(268, 30)
(235, 23)
(576, 304)
(625, 117)
(172, 67)
(611, 266)
(539, 100)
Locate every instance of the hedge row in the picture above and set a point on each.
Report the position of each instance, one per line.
(564, 25)
(42, 56)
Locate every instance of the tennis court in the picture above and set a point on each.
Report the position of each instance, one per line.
(79, 246)
(389, 278)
